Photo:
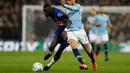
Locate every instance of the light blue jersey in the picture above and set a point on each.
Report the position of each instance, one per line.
(75, 15)
(90, 21)
(104, 19)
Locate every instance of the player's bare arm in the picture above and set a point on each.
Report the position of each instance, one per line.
(109, 25)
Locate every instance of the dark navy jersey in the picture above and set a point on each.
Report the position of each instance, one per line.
(58, 15)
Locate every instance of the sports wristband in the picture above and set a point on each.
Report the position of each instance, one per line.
(65, 29)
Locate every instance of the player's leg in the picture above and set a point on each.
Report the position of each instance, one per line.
(92, 38)
(98, 47)
(90, 54)
(51, 48)
(54, 42)
(56, 58)
(93, 46)
(74, 45)
(73, 42)
(87, 47)
(105, 41)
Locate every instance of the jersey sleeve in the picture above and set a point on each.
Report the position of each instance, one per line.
(61, 16)
(76, 7)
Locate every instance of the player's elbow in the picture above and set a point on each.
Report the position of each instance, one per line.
(69, 22)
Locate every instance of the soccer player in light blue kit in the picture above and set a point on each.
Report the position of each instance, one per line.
(76, 32)
(92, 29)
(102, 21)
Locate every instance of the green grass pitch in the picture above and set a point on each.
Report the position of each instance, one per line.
(21, 62)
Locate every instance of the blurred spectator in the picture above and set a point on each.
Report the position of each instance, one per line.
(11, 18)
(32, 37)
(121, 37)
(56, 2)
(1, 22)
(48, 39)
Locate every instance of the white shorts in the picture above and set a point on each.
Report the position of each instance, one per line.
(92, 37)
(79, 35)
(102, 38)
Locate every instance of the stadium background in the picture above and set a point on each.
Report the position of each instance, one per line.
(11, 22)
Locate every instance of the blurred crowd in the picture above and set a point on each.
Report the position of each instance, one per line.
(96, 2)
(121, 28)
(11, 18)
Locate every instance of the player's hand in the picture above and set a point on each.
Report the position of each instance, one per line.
(64, 34)
(99, 24)
(59, 23)
(62, 2)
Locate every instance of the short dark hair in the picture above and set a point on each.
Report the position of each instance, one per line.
(46, 6)
(77, 1)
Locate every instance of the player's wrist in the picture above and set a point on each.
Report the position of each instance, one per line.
(65, 29)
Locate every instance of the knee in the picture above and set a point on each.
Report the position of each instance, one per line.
(51, 48)
(87, 47)
(73, 44)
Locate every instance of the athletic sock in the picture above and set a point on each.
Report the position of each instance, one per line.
(93, 46)
(56, 56)
(50, 53)
(51, 63)
(98, 49)
(78, 56)
(90, 54)
(106, 50)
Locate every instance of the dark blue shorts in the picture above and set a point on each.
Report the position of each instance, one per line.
(58, 36)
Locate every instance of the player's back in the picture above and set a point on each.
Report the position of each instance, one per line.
(104, 20)
(90, 21)
(75, 15)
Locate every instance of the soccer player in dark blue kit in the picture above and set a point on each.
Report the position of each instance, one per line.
(59, 37)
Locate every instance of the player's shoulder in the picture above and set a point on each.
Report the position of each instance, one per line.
(56, 9)
(106, 15)
(78, 5)
(97, 15)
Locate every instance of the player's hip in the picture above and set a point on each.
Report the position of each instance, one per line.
(102, 33)
(92, 37)
(102, 38)
(79, 35)
(80, 31)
